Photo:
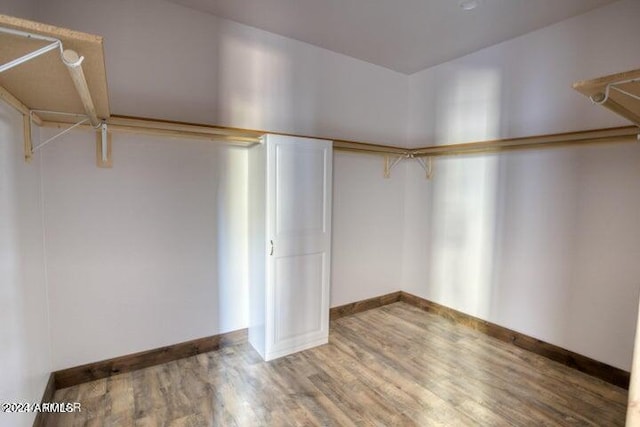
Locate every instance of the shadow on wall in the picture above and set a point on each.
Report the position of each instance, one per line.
(260, 86)
(463, 197)
(232, 239)
(13, 315)
(254, 82)
(501, 244)
(24, 340)
(153, 246)
(263, 76)
(540, 241)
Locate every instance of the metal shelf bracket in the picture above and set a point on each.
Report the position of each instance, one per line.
(602, 97)
(53, 44)
(390, 162)
(59, 134)
(427, 165)
(103, 147)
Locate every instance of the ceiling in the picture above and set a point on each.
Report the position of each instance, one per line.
(403, 35)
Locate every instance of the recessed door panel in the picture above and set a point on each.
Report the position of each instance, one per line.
(298, 296)
(300, 189)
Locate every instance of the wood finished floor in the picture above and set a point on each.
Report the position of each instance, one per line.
(391, 366)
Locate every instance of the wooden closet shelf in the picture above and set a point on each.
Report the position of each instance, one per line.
(618, 92)
(44, 83)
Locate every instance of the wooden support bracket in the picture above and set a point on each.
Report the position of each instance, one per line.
(28, 145)
(27, 117)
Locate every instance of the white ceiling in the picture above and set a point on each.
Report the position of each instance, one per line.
(403, 35)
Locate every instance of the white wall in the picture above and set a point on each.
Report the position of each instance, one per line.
(25, 346)
(603, 303)
(503, 237)
(523, 86)
(168, 61)
(147, 254)
(164, 269)
(25, 9)
(25, 352)
(543, 242)
(368, 223)
(153, 251)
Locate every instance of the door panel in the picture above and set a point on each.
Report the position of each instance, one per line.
(299, 225)
(299, 307)
(300, 190)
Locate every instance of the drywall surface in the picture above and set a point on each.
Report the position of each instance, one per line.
(153, 251)
(543, 242)
(523, 86)
(25, 9)
(25, 355)
(154, 246)
(368, 219)
(168, 61)
(147, 254)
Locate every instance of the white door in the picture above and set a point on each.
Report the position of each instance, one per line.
(299, 181)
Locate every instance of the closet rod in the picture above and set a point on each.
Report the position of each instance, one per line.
(252, 134)
(73, 62)
(248, 137)
(597, 136)
(161, 129)
(364, 147)
(177, 129)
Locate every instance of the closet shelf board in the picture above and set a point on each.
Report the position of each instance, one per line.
(623, 93)
(44, 83)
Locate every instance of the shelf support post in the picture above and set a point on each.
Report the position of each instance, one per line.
(389, 164)
(28, 143)
(426, 165)
(103, 147)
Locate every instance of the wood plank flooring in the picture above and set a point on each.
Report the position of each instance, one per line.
(391, 366)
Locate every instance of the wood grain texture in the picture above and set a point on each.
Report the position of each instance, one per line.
(395, 365)
(43, 83)
(106, 368)
(592, 86)
(571, 359)
(360, 306)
